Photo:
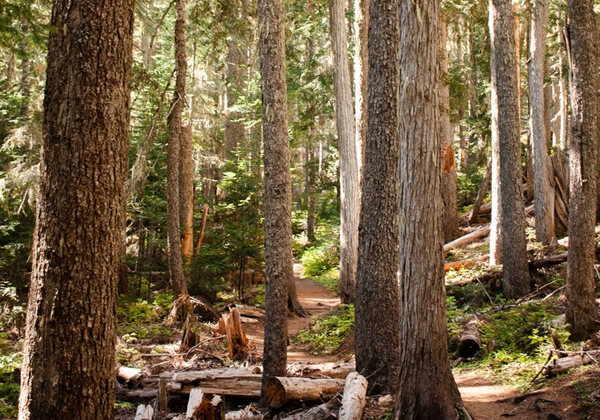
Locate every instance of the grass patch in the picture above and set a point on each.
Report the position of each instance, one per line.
(324, 336)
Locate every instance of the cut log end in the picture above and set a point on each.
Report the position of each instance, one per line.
(275, 393)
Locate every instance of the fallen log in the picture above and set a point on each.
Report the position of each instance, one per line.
(245, 414)
(321, 412)
(548, 261)
(130, 376)
(242, 382)
(469, 341)
(204, 309)
(144, 412)
(281, 391)
(330, 370)
(250, 311)
(467, 239)
(355, 397)
(566, 363)
(457, 265)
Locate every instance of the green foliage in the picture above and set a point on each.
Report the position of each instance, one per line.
(140, 311)
(326, 335)
(467, 188)
(330, 280)
(324, 255)
(9, 387)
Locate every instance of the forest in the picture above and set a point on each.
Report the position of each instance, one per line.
(299, 210)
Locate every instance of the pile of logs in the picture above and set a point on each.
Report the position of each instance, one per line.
(208, 388)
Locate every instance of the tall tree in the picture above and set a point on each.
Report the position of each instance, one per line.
(349, 170)
(178, 281)
(186, 192)
(361, 76)
(426, 388)
(543, 189)
(450, 219)
(69, 354)
(506, 150)
(278, 185)
(376, 340)
(581, 296)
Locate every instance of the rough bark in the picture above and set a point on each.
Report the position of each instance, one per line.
(450, 219)
(278, 191)
(543, 188)
(311, 188)
(349, 168)
(69, 355)
(361, 76)
(376, 282)
(25, 91)
(483, 188)
(234, 129)
(506, 151)
(173, 159)
(426, 388)
(186, 192)
(581, 309)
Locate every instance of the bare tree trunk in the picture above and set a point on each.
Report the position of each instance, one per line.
(450, 218)
(544, 190)
(426, 388)
(361, 76)
(376, 339)
(25, 91)
(69, 355)
(506, 140)
(278, 189)
(186, 192)
(173, 160)
(349, 167)
(235, 131)
(583, 157)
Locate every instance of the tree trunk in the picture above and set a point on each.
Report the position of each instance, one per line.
(278, 190)
(376, 340)
(581, 310)
(281, 391)
(483, 188)
(506, 150)
(361, 77)
(426, 388)
(186, 192)
(173, 160)
(234, 130)
(349, 167)
(450, 219)
(69, 355)
(543, 188)
(25, 91)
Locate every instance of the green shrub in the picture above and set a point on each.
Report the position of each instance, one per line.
(324, 255)
(326, 335)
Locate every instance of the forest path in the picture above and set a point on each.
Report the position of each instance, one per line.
(315, 299)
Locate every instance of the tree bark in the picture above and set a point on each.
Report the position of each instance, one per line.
(581, 309)
(376, 340)
(483, 188)
(450, 219)
(426, 388)
(281, 391)
(506, 152)
(69, 355)
(278, 190)
(349, 166)
(186, 192)
(234, 130)
(173, 160)
(361, 76)
(543, 188)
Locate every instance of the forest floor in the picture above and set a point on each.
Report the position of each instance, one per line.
(573, 396)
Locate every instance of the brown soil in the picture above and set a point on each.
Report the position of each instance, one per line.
(318, 301)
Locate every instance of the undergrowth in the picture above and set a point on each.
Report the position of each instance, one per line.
(325, 336)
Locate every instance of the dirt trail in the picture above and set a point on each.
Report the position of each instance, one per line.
(317, 300)
(484, 399)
